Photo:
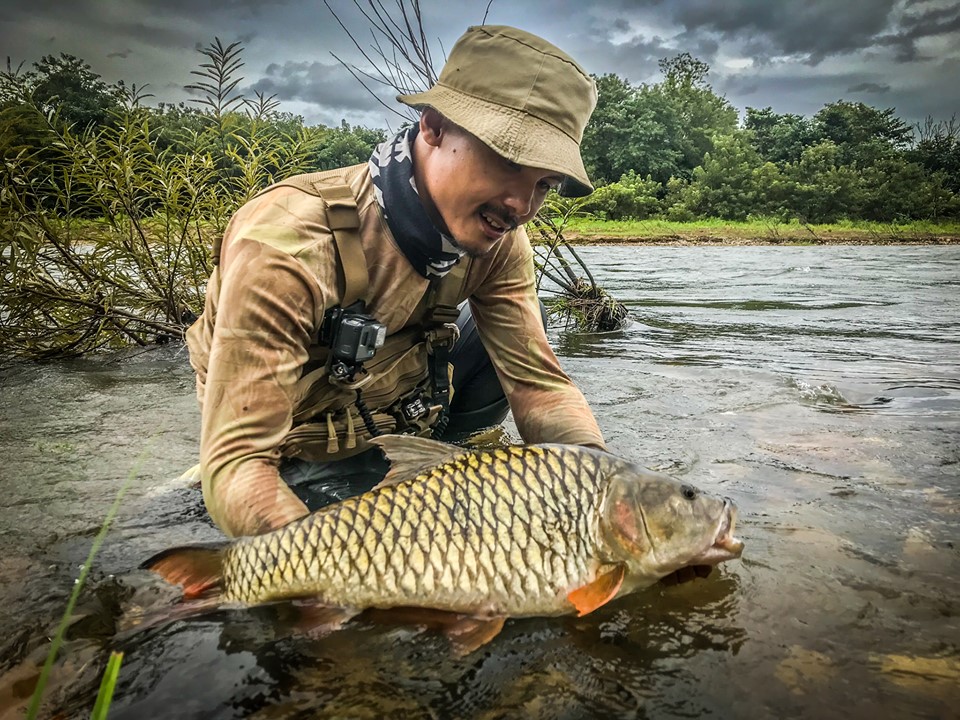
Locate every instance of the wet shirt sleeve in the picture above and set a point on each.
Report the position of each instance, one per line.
(267, 315)
(546, 405)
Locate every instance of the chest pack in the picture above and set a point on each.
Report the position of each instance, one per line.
(399, 383)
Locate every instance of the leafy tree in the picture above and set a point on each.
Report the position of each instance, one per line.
(774, 191)
(68, 85)
(630, 130)
(701, 115)
(823, 189)
(344, 146)
(725, 185)
(780, 138)
(862, 134)
(23, 127)
(897, 189)
(938, 150)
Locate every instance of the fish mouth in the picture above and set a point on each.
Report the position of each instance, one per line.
(725, 545)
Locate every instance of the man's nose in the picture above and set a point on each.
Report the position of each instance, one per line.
(519, 199)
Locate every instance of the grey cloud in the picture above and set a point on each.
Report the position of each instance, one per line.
(637, 60)
(327, 85)
(810, 31)
(158, 23)
(806, 95)
(932, 22)
(869, 87)
(917, 26)
(876, 42)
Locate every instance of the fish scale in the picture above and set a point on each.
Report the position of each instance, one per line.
(511, 529)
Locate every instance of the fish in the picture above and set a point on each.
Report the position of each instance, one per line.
(479, 534)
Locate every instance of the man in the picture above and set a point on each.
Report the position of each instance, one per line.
(291, 374)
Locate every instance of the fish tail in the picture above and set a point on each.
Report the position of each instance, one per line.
(198, 569)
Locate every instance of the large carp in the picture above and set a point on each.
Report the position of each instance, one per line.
(514, 531)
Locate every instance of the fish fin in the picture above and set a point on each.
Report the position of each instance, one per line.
(471, 633)
(196, 568)
(317, 620)
(466, 633)
(602, 590)
(410, 455)
(138, 621)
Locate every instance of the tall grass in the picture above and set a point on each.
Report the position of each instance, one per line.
(138, 274)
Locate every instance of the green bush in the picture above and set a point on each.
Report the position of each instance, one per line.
(630, 198)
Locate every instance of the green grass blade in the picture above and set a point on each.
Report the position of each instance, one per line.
(107, 685)
(78, 586)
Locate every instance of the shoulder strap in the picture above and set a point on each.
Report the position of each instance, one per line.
(343, 217)
(443, 294)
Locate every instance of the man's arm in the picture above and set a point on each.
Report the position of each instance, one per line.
(267, 314)
(546, 405)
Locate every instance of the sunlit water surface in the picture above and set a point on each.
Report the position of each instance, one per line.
(818, 387)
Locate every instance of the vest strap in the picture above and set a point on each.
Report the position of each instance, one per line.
(344, 219)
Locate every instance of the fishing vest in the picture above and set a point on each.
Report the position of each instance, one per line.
(406, 386)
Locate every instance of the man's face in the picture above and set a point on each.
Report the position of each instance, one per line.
(470, 191)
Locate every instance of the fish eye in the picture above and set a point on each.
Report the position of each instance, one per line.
(688, 491)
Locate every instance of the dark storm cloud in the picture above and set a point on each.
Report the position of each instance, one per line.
(87, 20)
(793, 56)
(158, 23)
(330, 85)
(814, 29)
(917, 26)
(809, 31)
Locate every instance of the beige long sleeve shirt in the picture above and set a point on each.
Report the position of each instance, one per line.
(257, 338)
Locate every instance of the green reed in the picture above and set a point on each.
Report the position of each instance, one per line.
(113, 666)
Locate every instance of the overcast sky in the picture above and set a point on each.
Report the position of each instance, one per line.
(791, 55)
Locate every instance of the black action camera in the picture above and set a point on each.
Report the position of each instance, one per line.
(357, 338)
(352, 335)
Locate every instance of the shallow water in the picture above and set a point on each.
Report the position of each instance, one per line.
(818, 387)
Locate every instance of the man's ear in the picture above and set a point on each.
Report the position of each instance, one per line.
(432, 126)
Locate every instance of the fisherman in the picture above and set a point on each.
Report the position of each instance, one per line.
(335, 311)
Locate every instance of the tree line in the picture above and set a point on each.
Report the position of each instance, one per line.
(676, 149)
(672, 149)
(108, 205)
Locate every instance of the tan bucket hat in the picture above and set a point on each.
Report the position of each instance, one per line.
(525, 98)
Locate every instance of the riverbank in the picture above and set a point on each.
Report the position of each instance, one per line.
(721, 232)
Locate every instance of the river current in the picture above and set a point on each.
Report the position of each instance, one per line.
(819, 387)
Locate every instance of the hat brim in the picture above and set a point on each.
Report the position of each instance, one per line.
(518, 136)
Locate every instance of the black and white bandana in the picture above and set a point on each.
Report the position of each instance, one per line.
(431, 252)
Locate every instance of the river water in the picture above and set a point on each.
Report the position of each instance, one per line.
(819, 387)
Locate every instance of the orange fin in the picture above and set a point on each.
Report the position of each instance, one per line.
(197, 569)
(470, 633)
(599, 592)
(466, 633)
